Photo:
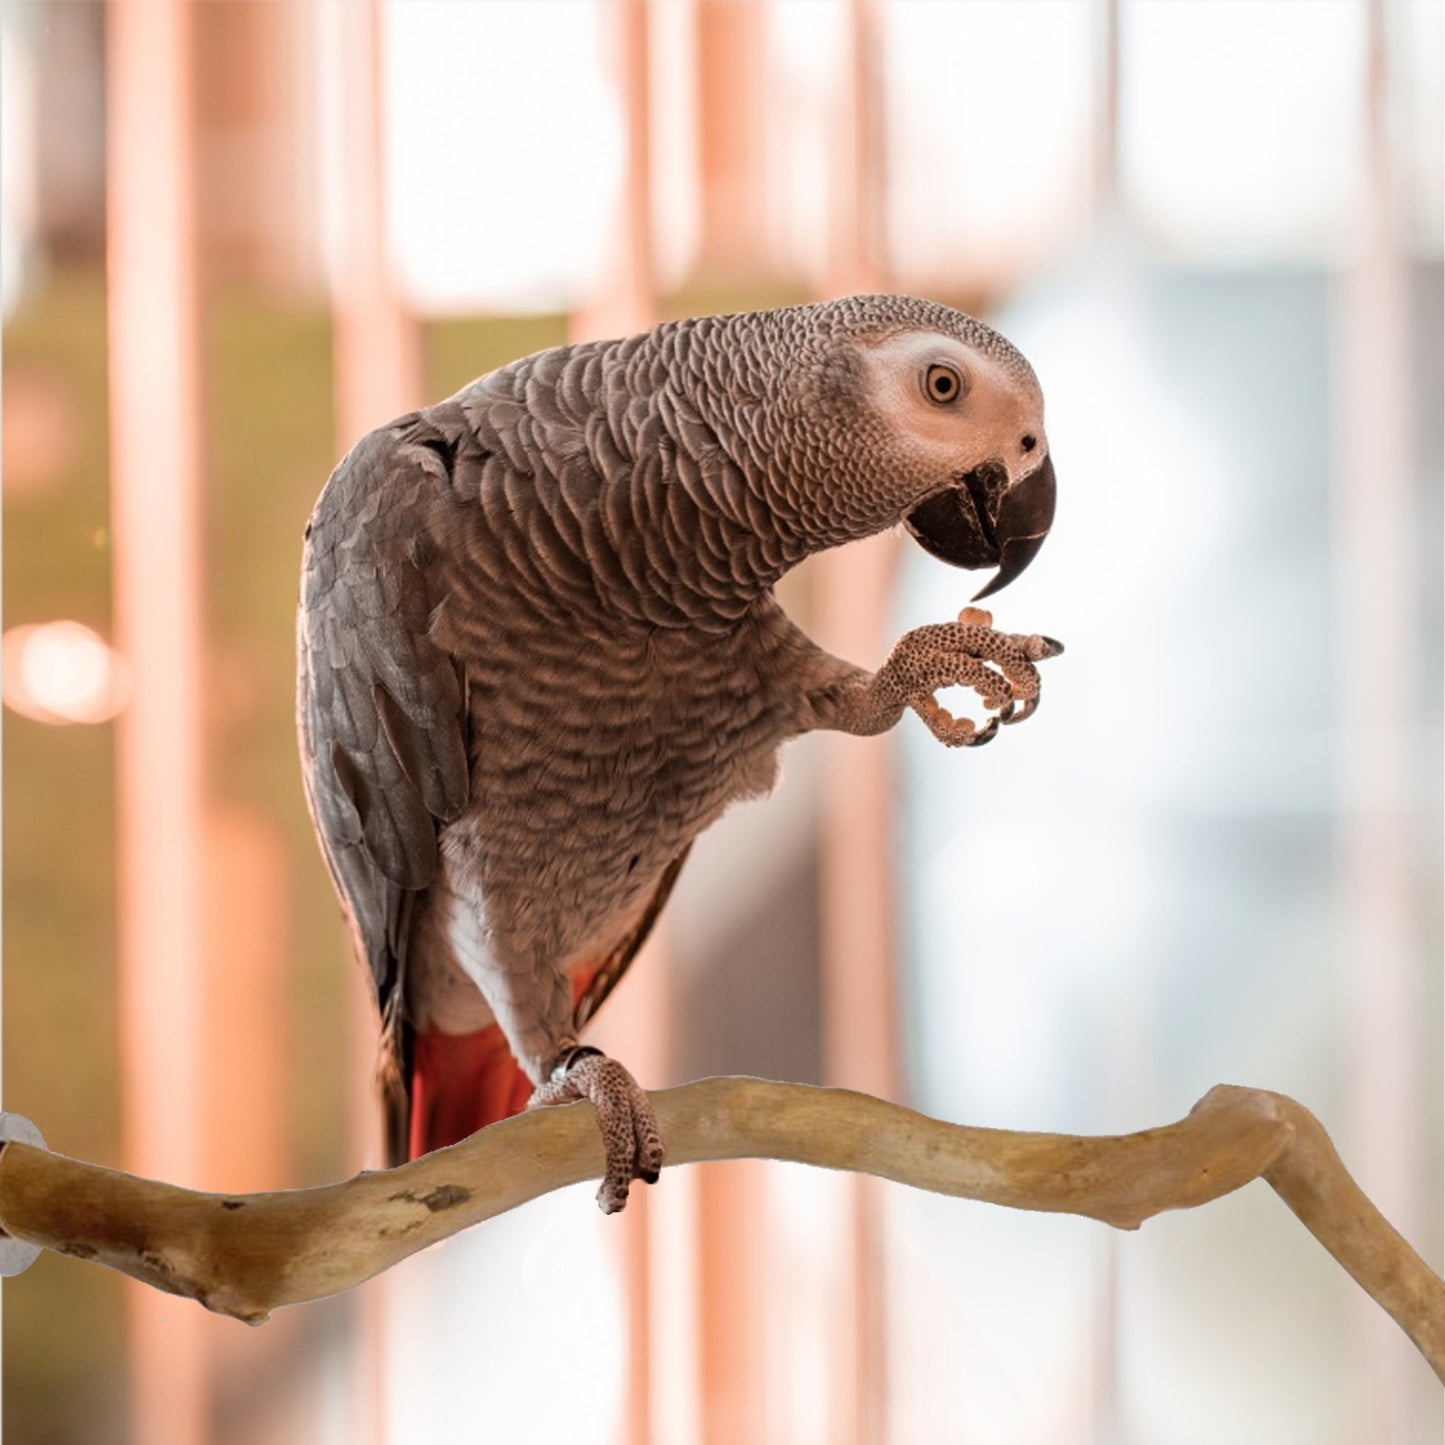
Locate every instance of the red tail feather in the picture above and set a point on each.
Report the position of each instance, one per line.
(462, 1082)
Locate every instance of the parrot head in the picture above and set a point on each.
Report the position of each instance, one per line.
(853, 416)
(966, 418)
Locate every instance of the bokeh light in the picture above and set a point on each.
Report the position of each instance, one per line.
(61, 673)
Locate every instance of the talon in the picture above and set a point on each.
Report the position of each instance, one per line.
(983, 735)
(630, 1140)
(1029, 707)
(1053, 647)
(1006, 712)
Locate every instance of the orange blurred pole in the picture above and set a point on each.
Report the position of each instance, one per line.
(377, 343)
(855, 855)
(736, 1298)
(730, 41)
(247, 1010)
(155, 455)
(858, 197)
(626, 300)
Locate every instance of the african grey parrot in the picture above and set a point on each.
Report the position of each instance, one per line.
(540, 652)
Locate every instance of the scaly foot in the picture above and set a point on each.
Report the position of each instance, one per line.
(958, 654)
(624, 1114)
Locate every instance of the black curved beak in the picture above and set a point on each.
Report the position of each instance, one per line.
(985, 523)
(1023, 522)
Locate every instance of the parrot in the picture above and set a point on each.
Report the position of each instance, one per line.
(539, 652)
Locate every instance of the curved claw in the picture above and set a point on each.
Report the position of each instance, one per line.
(1006, 712)
(1029, 708)
(982, 735)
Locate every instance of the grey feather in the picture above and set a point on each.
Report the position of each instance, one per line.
(538, 646)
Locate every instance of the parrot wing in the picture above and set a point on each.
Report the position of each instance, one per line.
(381, 711)
(382, 717)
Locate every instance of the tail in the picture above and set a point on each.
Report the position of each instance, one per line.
(462, 1082)
(459, 1084)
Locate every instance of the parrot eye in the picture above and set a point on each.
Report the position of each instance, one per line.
(942, 383)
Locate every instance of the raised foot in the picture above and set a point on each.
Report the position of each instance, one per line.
(998, 666)
(624, 1114)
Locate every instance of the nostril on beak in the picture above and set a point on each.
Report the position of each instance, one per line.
(1029, 443)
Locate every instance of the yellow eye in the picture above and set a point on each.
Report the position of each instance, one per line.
(942, 383)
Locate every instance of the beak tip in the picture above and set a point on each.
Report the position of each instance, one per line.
(1024, 521)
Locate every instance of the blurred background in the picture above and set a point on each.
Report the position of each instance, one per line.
(236, 235)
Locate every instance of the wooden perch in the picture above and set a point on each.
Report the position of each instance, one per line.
(246, 1255)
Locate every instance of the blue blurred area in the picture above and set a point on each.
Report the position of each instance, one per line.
(1138, 894)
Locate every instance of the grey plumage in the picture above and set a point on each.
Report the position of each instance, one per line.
(539, 650)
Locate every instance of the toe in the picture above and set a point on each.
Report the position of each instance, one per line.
(610, 1089)
(650, 1152)
(1026, 711)
(612, 1192)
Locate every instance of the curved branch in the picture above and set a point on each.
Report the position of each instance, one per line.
(249, 1254)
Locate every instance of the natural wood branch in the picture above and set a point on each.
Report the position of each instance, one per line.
(246, 1255)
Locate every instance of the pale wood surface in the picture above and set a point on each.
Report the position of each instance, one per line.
(246, 1255)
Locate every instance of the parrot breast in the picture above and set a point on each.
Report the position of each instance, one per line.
(591, 781)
